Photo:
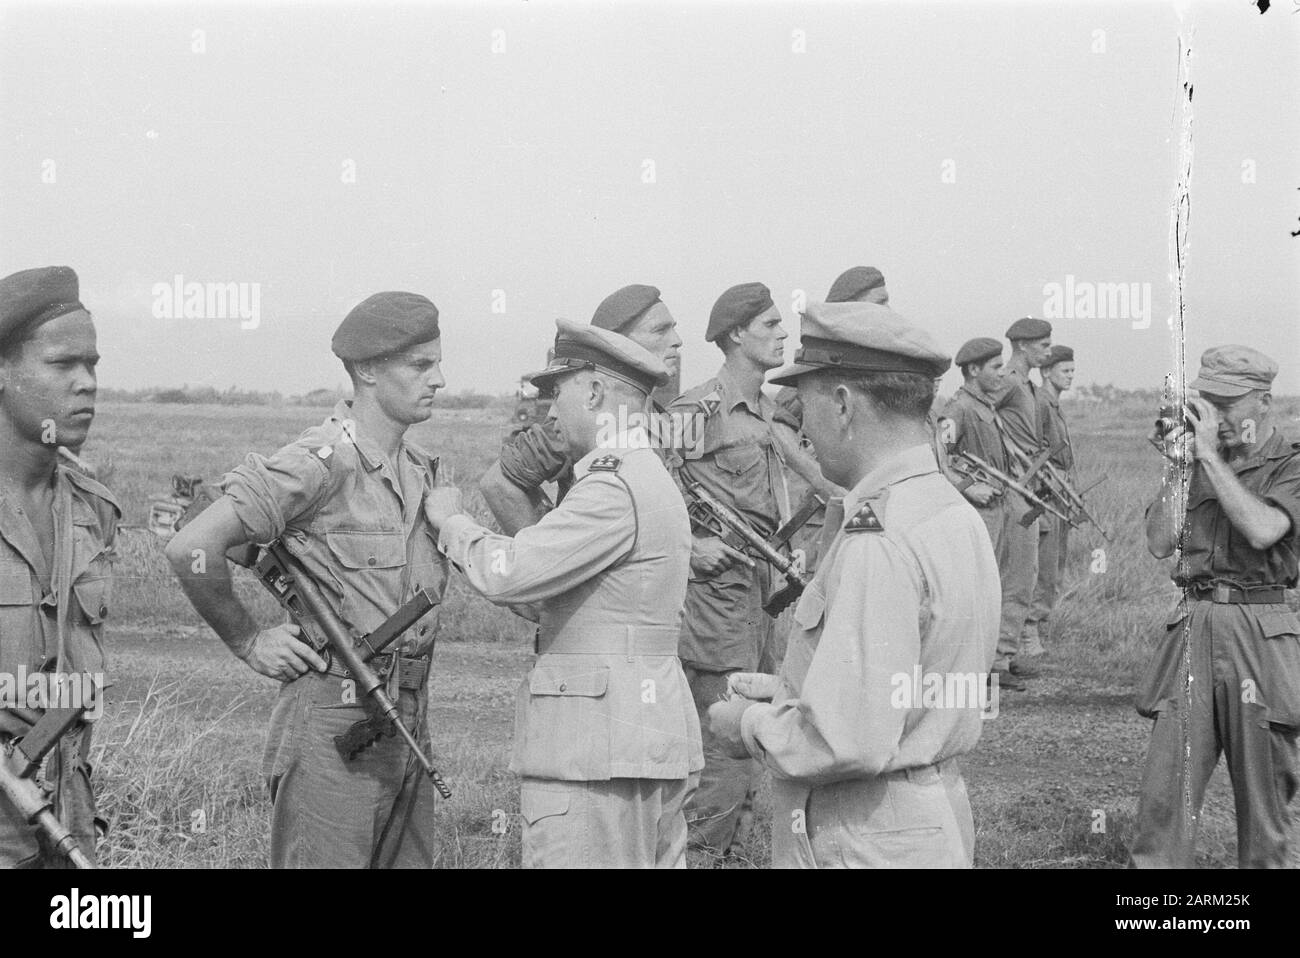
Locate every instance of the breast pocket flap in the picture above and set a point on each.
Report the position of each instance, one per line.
(590, 683)
(367, 550)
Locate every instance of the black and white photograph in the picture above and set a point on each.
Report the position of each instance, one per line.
(630, 435)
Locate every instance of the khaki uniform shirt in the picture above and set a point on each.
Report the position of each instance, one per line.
(30, 587)
(908, 590)
(737, 460)
(1055, 430)
(1018, 409)
(606, 697)
(354, 519)
(974, 427)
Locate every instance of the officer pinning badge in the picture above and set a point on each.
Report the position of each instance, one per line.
(864, 520)
(605, 463)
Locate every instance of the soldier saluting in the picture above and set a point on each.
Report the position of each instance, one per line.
(606, 736)
(56, 527)
(345, 499)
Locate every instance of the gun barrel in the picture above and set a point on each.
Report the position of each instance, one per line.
(739, 526)
(30, 801)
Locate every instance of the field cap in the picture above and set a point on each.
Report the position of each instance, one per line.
(736, 307)
(859, 284)
(978, 350)
(1029, 328)
(623, 307)
(1233, 371)
(1059, 354)
(33, 296)
(383, 324)
(862, 337)
(579, 347)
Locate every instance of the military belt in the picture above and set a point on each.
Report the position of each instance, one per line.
(412, 672)
(630, 640)
(1225, 593)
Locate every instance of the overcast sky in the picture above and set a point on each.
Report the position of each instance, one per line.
(516, 162)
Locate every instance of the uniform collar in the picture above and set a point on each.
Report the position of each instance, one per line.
(914, 461)
(370, 454)
(1279, 446)
(619, 445)
(977, 394)
(732, 394)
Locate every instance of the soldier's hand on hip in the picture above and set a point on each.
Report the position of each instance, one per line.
(279, 654)
(711, 556)
(758, 686)
(441, 503)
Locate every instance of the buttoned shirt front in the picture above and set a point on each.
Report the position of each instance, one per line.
(1213, 548)
(355, 520)
(85, 516)
(907, 597)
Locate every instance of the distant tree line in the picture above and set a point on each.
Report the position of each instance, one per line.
(250, 397)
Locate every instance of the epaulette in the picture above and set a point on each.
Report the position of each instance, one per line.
(864, 520)
(605, 463)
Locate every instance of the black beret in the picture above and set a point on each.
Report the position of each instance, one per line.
(1059, 354)
(1029, 328)
(623, 307)
(32, 296)
(383, 324)
(978, 350)
(736, 307)
(864, 283)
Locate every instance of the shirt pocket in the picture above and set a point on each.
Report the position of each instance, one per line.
(563, 728)
(1279, 679)
(367, 550)
(738, 461)
(15, 583)
(93, 593)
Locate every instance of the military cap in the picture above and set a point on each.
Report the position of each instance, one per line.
(383, 324)
(1059, 354)
(862, 337)
(736, 307)
(32, 296)
(623, 307)
(1029, 328)
(978, 350)
(861, 283)
(1232, 371)
(579, 347)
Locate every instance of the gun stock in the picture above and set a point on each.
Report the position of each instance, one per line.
(20, 763)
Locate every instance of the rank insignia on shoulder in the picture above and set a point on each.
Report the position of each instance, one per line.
(864, 520)
(606, 463)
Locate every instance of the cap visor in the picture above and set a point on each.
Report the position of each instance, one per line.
(550, 373)
(1215, 387)
(788, 374)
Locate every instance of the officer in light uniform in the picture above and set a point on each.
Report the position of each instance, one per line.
(345, 498)
(1226, 677)
(863, 759)
(1054, 533)
(56, 529)
(606, 735)
(512, 486)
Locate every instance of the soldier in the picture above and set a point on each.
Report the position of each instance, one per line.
(973, 429)
(345, 498)
(1054, 533)
(1020, 424)
(1227, 674)
(606, 737)
(739, 460)
(864, 764)
(512, 486)
(56, 528)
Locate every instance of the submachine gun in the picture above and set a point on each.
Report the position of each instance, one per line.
(286, 579)
(707, 513)
(27, 736)
(1054, 486)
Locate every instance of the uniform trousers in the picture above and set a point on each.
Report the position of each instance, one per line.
(1016, 551)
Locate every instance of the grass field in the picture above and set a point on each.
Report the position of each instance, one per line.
(1053, 781)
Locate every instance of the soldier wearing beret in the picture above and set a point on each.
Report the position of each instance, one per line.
(1021, 426)
(1054, 533)
(56, 527)
(606, 735)
(739, 458)
(864, 762)
(1226, 677)
(345, 498)
(512, 486)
